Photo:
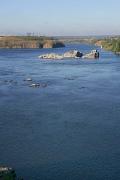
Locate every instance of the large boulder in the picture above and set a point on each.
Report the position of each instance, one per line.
(94, 54)
(73, 54)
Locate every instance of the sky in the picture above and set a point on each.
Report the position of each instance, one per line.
(60, 17)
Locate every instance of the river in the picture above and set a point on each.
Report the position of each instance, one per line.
(68, 129)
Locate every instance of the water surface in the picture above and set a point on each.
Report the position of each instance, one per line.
(68, 130)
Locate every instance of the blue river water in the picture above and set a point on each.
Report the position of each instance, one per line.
(68, 129)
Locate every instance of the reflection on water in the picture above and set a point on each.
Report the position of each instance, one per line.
(68, 130)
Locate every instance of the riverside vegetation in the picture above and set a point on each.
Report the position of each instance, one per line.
(29, 42)
(107, 42)
(110, 43)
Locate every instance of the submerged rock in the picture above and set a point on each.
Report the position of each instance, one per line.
(9, 82)
(28, 79)
(37, 85)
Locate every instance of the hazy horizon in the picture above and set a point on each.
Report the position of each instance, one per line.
(60, 18)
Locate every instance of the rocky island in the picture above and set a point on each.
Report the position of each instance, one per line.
(94, 54)
(29, 42)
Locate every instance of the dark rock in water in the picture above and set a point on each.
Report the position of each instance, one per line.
(69, 78)
(37, 85)
(82, 87)
(6, 81)
(44, 85)
(10, 82)
(7, 173)
(79, 54)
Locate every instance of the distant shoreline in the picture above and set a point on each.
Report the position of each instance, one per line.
(111, 43)
(14, 42)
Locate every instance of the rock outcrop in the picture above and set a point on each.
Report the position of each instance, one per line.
(71, 54)
(94, 54)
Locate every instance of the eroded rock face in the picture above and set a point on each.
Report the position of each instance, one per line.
(48, 44)
(53, 44)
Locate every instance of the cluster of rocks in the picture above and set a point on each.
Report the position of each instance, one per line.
(117, 53)
(71, 54)
(28, 81)
(10, 81)
(7, 173)
(35, 84)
